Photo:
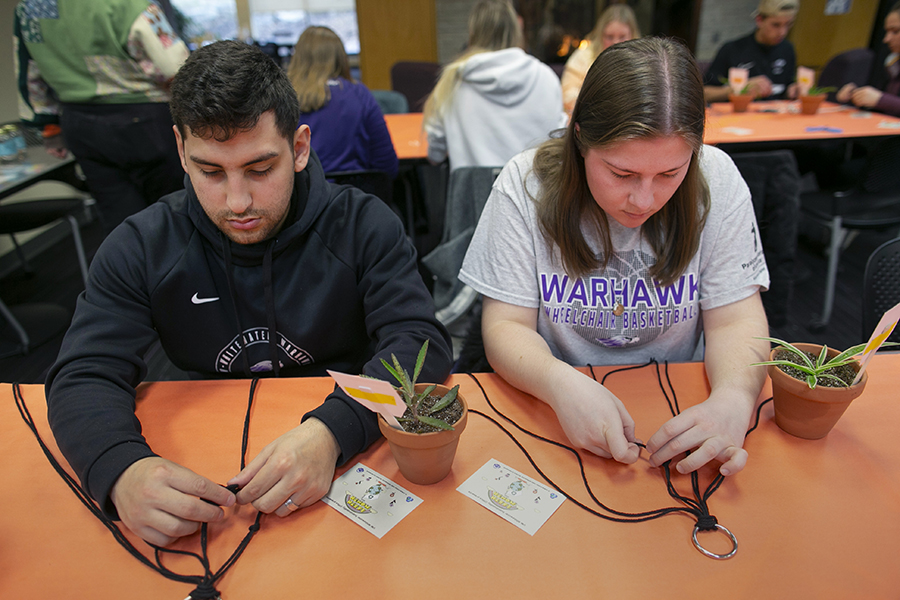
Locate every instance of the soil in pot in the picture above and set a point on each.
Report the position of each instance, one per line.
(845, 373)
(448, 414)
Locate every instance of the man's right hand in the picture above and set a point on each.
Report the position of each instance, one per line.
(760, 86)
(162, 501)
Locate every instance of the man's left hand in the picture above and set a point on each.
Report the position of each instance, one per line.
(298, 466)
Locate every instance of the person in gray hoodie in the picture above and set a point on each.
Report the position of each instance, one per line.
(495, 100)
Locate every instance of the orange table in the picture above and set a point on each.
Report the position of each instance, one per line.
(833, 121)
(814, 519)
(410, 142)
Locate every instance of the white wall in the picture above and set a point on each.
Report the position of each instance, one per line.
(722, 21)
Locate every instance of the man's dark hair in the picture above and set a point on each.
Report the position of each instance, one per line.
(223, 88)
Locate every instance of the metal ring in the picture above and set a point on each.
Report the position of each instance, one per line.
(289, 504)
(713, 554)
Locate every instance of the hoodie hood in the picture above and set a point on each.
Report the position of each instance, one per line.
(506, 77)
(304, 210)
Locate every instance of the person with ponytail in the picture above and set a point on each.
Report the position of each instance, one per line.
(621, 241)
(495, 100)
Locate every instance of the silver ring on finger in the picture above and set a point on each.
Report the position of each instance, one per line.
(289, 504)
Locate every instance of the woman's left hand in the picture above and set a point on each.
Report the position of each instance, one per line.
(866, 96)
(713, 430)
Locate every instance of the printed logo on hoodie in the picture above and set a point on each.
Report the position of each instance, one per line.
(259, 335)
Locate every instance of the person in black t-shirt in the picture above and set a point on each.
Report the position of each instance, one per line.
(766, 53)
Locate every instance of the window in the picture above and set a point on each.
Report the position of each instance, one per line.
(271, 21)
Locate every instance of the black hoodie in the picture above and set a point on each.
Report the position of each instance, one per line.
(338, 286)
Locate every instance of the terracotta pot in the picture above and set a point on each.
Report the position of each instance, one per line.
(739, 103)
(809, 105)
(425, 458)
(809, 413)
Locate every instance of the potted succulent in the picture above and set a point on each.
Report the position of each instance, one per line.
(434, 419)
(741, 100)
(809, 102)
(812, 385)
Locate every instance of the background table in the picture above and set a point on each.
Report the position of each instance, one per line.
(410, 141)
(814, 519)
(833, 121)
(37, 166)
(722, 126)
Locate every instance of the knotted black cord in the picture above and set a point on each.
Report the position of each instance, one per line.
(697, 507)
(204, 584)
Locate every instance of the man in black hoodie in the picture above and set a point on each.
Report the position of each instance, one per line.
(260, 267)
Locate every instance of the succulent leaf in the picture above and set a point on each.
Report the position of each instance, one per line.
(446, 401)
(420, 360)
(435, 423)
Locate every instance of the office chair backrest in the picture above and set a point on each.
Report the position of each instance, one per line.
(415, 80)
(390, 102)
(377, 183)
(881, 287)
(852, 66)
(882, 170)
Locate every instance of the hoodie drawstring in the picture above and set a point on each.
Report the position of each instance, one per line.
(270, 307)
(226, 251)
(271, 323)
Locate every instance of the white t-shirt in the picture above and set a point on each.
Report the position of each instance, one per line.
(510, 260)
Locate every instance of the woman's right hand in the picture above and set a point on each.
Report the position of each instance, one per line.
(845, 93)
(592, 417)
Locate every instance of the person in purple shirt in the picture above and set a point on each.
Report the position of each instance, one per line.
(347, 126)
(886, 99)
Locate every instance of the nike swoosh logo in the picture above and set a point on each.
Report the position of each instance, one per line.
(197, 300)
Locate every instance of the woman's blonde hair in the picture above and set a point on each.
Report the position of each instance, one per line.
(639, 89)
(493, 25)
(318, 56)
(614, 13)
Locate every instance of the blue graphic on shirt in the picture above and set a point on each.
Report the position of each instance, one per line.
(29, 13)
(622, 307)
(259, 335)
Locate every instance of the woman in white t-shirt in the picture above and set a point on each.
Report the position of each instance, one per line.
(623, 240)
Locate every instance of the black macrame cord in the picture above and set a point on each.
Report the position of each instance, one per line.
(204, 584)
(697, 506)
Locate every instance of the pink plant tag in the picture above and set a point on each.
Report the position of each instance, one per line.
(805, 79)
(882, 332)
(376, 395)
(737, 79)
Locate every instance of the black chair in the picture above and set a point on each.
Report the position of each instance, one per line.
(467, 193)
(852, 66)
(881, 287)
(32, 325)
(377, 183)
(774, 184)
(415, 80)
(873, 203)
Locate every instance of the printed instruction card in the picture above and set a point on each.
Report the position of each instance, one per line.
(519, 499)
(371, 500)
